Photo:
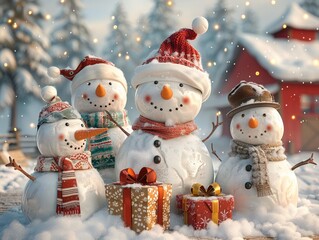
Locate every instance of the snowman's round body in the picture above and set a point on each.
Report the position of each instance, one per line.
(182, 160)
(39, 200)
(92, 99)
(258, 126)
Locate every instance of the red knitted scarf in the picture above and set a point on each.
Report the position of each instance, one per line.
(164, 132)
(68, 202)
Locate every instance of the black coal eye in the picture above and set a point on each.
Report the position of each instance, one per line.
(157, 143)
(157, 159)
(264, 115)
(110, 83)
(82, 125)
(89, 83)
(155, 82)
(181, 84)
(243, 115)
(67, 124)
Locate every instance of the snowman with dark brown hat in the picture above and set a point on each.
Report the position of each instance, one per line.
(257, 172)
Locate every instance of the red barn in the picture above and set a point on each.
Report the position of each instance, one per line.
(286, 61)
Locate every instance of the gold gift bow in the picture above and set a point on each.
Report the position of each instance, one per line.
(198, 189)
(213, 189)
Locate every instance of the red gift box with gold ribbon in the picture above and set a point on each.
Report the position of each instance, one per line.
(139, 199)
(205, 205)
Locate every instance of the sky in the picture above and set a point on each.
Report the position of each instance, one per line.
(98, 13)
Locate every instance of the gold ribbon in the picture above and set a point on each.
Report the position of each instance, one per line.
(213, 189)
(215, 210)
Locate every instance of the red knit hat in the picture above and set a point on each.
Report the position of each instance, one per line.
(90, 68)
(178, 61)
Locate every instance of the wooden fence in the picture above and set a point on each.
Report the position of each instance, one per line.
(18, 146)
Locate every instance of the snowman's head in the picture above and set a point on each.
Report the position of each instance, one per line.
(168, 102)
(58, 138)
(259, 125)
(175, 68)
(99, 95)
(61, 131)
(97, 85)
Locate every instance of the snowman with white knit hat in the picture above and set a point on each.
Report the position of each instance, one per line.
(99, 93)
(170, 88)
(64, 182)
(257, 172)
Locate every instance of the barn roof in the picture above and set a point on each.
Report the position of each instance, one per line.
(288, 60)
(295, 17)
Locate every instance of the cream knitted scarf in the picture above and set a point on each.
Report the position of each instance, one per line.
(260, 155)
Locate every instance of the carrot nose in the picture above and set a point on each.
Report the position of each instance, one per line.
(100, 91)
(166, 92)
(253, 122)
(88, 133)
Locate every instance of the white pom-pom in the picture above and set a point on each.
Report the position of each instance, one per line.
(200, 25)
(54, 72)
(48, 93)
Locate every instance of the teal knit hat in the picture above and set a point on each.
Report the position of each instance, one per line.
(55, 109)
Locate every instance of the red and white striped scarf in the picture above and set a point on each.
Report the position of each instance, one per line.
(68, 202)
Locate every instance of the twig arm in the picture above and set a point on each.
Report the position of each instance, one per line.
(12, 163)
(308, 161)
(113, 121)
(215, 126)
(214, 152)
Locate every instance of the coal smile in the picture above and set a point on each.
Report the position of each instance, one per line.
(262, 134)
(75, 148)
(101, 106)
(169, 110)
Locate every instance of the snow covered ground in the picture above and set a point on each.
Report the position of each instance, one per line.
(289, 223)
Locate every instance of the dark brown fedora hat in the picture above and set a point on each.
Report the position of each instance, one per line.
(249, 95)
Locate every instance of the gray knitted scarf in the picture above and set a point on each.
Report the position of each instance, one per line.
(260, 155)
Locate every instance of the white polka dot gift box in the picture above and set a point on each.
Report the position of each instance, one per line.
(139, 199)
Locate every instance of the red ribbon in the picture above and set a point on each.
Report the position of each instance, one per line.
(145, 176)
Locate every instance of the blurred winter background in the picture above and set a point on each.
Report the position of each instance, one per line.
(36, 34)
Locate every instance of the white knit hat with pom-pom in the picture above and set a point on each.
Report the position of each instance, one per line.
(177, 60)
(55, 109)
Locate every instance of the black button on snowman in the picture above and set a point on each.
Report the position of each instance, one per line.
(248, 168)
(257, 172)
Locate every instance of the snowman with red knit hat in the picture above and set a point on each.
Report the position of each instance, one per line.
(99, 93)
(257, 172)
(171, 86)
(64, 182)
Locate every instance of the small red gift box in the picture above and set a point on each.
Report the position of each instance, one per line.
(200, 209)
